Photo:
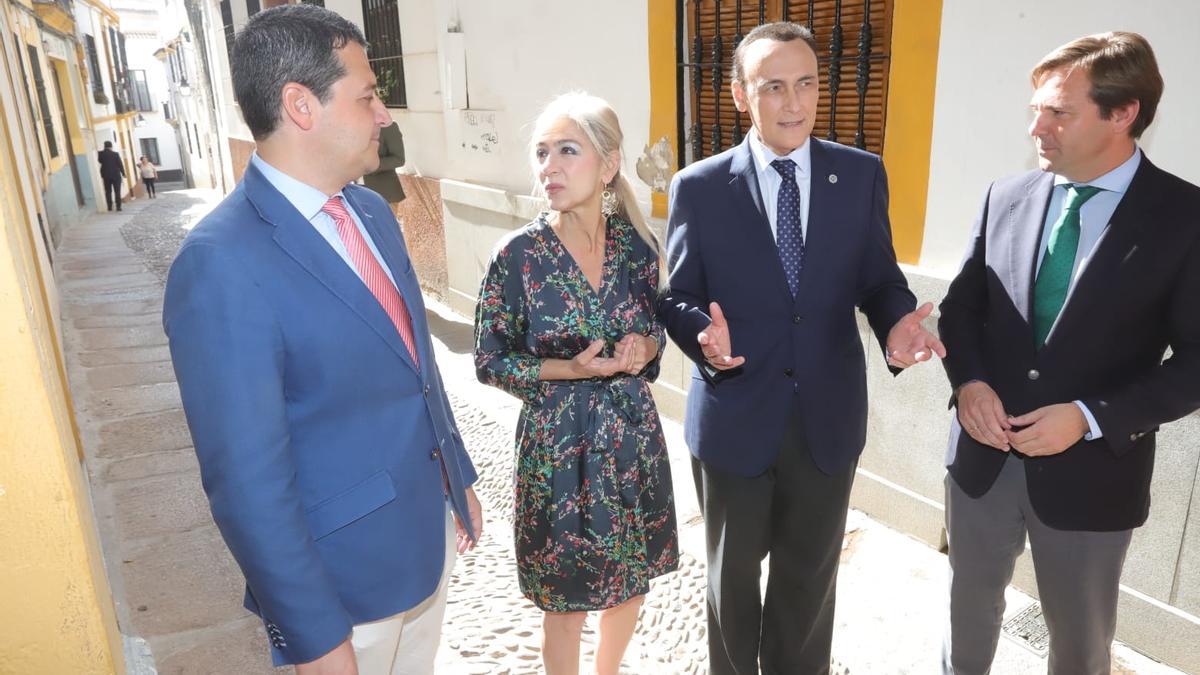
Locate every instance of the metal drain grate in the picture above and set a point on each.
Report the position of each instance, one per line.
(1028, 629)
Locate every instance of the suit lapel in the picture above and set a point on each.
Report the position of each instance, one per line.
(820, 193)
(300, 241)
(385, 232)
(748, 194)
(1115, 245)
(1026, 219)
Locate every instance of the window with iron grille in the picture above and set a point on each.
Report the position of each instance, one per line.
(93, 59)
(39, 83)
(382, 22)
(252, 7)
(318, 3)
(140, 91)
(853, 50)
(28, 98)
(227, 26)
(150, 149)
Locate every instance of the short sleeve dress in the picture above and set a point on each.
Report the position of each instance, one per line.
(594, 510)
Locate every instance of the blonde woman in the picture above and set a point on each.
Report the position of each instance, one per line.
(566, 323)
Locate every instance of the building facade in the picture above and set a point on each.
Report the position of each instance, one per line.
(58, 614)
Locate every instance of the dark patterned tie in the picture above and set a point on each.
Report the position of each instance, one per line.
(789, 235)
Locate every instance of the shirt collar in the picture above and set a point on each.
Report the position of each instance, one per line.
(1117, 180)
(307, 199)
(763, 156)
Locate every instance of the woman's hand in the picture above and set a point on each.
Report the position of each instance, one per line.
(589, 363)
(637, 350)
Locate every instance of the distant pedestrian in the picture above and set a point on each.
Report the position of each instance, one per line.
(112, 170)
(149, 174)
(391, 157)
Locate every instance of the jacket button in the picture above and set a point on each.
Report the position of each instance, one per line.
(427, 390)
(796, 318)
(1033, 374)
(787, 372)
(1134, 437)
(435, 454)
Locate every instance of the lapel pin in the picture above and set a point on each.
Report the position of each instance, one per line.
(833, 178)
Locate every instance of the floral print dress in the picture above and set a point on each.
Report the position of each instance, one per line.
(594, 511)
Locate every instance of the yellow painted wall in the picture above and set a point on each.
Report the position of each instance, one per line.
(916, 31)
(662, 85)
(56, 615)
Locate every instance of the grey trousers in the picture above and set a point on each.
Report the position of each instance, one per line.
(797, 515)
(1077, 578)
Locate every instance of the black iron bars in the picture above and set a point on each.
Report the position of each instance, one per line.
(862, 78)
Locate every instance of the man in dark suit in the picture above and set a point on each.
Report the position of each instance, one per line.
(1078, 277)
(772, 246)
(112, 170)
(391, 157)
(326, 442)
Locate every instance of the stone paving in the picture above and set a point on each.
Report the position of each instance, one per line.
(178, 592)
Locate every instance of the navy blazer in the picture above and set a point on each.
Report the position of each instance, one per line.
(321, 444)
(803, 355)
(1136, 297)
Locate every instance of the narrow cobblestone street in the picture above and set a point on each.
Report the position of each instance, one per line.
(179, 592)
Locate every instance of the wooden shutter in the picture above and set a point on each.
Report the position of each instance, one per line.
(710, 123)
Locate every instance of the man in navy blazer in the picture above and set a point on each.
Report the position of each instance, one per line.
(1077, 279)
(326, 442)
(772, 246)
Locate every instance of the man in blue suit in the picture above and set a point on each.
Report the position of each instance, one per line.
(772, 246)
(326, 442)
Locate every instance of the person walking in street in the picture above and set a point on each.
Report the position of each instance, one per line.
(391, 157)
(149, 174)
(772, 245)
(327, 447)
(1077, 279)
(112, 171)
(565, 322)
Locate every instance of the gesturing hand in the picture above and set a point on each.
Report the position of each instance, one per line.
(715, 343)
(642, 350)
(909, 343)
(981, 415)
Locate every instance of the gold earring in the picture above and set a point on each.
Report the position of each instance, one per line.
(608, 202)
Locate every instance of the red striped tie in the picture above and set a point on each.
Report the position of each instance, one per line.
(372, 273)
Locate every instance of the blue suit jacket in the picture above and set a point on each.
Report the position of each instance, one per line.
(321, 444)
(803, 355)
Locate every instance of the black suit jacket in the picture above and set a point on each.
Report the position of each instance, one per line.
(111, 167)
(1138, 295)
(803, 355)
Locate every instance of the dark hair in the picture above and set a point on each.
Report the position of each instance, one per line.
(780, 31)
(287, 43)
(1121, 67)
(107, 145)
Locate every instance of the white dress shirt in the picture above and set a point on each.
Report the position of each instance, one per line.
(769, 180)
(308, 200)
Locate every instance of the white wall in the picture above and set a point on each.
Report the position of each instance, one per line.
(981, 106)
(515, 62)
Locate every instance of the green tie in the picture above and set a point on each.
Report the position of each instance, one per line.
(1054, 276)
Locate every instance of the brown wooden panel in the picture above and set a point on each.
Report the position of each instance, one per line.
(708, 108)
